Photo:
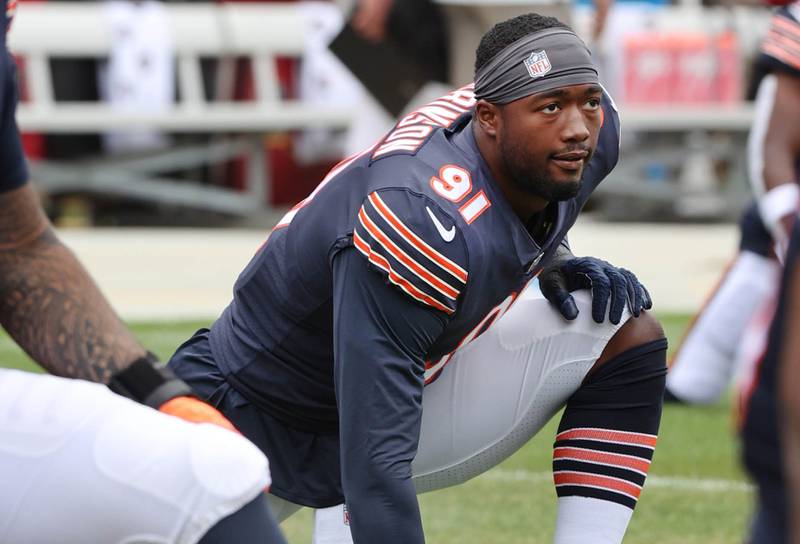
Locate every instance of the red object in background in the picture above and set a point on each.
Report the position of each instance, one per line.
(695, 69)
(729, 77)
(32, 142)
(291, 182)
(648, 69)
(684, 68)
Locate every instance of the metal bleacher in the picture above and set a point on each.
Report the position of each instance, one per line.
(258, 32)
(685, 140)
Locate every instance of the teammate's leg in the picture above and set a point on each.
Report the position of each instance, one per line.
(703, 365)
(607, 436)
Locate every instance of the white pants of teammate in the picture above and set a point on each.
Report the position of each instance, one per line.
(79, 464)
(494, 395)
(729, 334)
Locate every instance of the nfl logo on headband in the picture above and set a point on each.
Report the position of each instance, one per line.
(538, 64)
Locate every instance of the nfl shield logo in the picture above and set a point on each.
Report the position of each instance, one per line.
(538, 64)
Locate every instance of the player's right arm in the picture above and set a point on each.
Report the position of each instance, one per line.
(390, 301)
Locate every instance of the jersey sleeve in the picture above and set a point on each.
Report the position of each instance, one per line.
(780, 49)
(606, 154)
(13, 170)
(381, 336)
(409, 240)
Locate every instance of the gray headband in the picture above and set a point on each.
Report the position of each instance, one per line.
(539, 62)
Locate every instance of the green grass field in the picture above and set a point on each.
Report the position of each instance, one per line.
(696, 493)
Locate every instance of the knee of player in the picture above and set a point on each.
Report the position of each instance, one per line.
(637, 331)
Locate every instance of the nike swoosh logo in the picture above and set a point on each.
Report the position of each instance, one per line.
(447, 235)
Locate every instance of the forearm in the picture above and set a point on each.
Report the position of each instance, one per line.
(50, 305)
(382, 509)
(379, 372)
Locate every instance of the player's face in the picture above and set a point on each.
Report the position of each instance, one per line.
(546, 140)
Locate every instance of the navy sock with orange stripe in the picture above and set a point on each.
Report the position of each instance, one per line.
(605, 443)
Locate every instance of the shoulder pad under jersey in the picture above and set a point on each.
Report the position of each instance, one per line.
(415, 245)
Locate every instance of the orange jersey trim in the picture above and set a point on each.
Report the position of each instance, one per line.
(379, 261)
(404, 258)
(415, 241)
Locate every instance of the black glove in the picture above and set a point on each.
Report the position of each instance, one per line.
(606, 282)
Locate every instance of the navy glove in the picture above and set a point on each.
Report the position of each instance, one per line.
(606, 282)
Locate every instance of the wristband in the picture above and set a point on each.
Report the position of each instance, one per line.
(777, 203)
(146, 382)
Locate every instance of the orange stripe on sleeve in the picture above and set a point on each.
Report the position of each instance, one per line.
(786, 25)
(404, 258)
(409, 288)
(780, 54)
(420, 245)
(790, 43)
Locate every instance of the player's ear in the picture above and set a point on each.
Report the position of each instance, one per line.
(488, 117)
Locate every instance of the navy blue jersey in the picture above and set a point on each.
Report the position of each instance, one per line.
(13, 171)
(364, 289)
(780, 49)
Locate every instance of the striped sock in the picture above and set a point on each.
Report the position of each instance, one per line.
(604, 446)
(602, 463)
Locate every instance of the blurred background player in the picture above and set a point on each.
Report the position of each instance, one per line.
(394, 274)
(732, 327)
(763, 421)
(771, 428)
(101, 467)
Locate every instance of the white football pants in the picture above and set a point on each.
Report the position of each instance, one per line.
(720, 338)
(496, 393)
(79, 464)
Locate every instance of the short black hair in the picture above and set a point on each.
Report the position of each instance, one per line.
(507, 32)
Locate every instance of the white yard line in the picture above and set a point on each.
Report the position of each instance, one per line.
(669, 482)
